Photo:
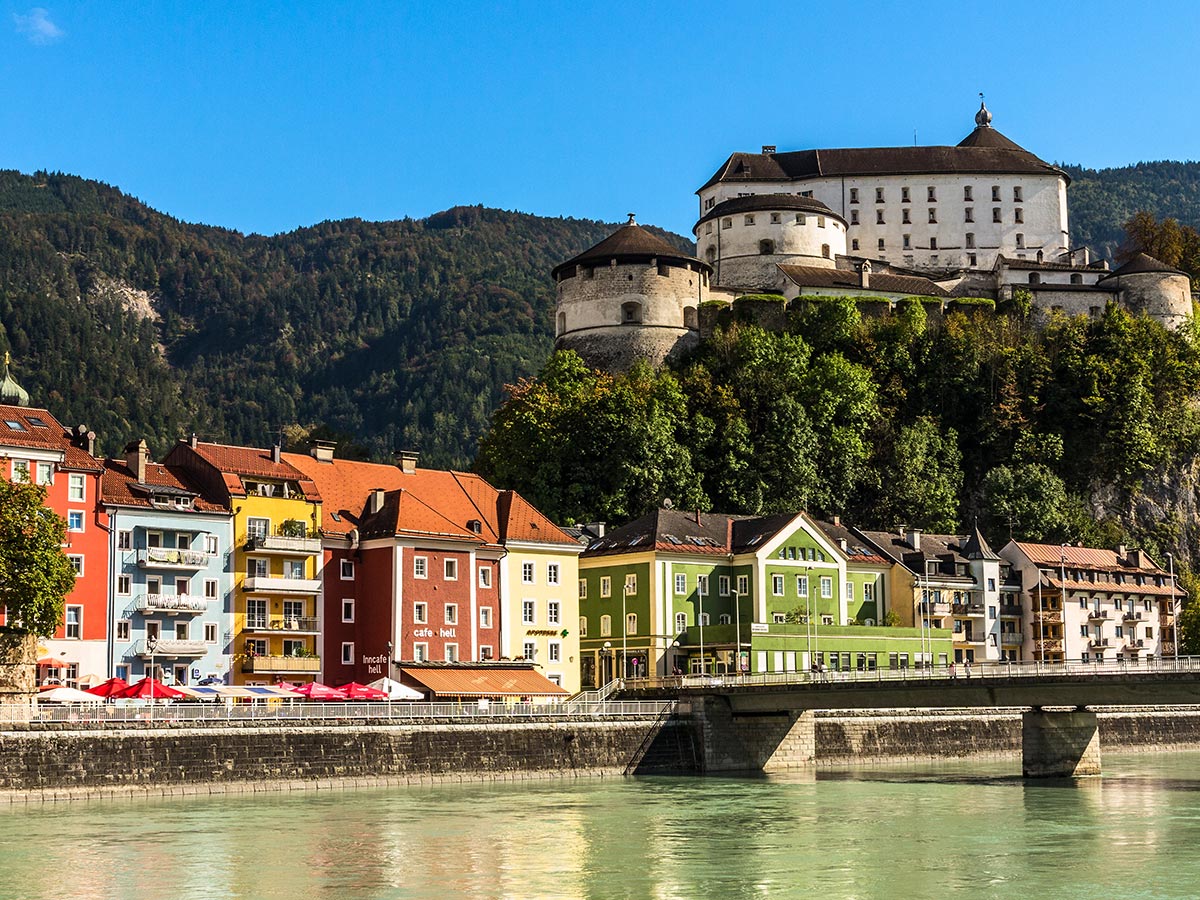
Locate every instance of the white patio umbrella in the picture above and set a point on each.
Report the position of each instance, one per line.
(67, 695)
(395, 690)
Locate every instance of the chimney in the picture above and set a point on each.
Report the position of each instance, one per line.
(768, 149)
(842, 544)
(864, 274)
(275, 453)
(192, 441)
(1122, 551)
(406, 460)
(375, 501)
(698, 522)
(596, 528)
(322, 451)
(137, 455)
(914, 538)
(1039, 256)
(837, 520)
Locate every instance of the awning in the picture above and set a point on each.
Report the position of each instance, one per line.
(49, 662)
(483, 682)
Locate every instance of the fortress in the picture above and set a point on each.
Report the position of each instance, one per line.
(980, 219)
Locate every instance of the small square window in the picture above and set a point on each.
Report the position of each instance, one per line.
(485, 617)
(347, 570)
(552, 573)
(605, 586)
(347, 653)
(347, 609)
(451, 614)
(527, 573)
(123, 629)
(74, 520)
(451, 569)
(485, 577)
(420, 613)
(420, 567)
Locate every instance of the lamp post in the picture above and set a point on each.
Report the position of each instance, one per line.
(808, 588)
(1062, 602)
(1174, 609)
(737, 621)
(700, 622)
(151, 645)
(624, 630)
(606, 657)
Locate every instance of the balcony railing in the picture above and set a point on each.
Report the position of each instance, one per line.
(1048, 617)
(172, 603)
(1011, 639)
(280, 664)
(968, 609)
(1010, 609)
(1098, 643)
(283, 543)
(274, 584)
(1132, 616)
(298, 624)
(935, 607)
(1049, 645)
(1135, 644)
(165, 558)
(1097, 615)
(1166, 648)
(172, 647)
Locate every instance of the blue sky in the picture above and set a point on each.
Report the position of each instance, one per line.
(269, 116)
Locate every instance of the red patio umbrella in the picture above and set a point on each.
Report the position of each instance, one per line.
(148, 688)
(314, 690)
(356, 691)
(109, 688)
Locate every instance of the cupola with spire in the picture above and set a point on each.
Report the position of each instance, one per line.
(983, 118)
(11, 393)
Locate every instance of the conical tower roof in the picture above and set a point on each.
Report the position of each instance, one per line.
(11, 393)
(630, 243)
(976, 547)
(1139, 263)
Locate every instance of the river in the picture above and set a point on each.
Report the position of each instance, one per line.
(969, 830)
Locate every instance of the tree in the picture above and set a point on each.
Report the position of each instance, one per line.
(35, 574)
(923, 481)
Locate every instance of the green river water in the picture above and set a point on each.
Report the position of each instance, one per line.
(971, 830)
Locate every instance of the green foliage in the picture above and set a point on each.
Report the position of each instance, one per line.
(35, 574)
(923, 479)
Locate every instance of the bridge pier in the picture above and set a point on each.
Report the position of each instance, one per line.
(753, 742)
(1059, 744)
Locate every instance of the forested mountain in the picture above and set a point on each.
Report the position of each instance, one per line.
(393, 334)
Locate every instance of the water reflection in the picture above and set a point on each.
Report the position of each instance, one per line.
(967, 830)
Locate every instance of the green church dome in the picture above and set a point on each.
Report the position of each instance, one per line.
(11, 393)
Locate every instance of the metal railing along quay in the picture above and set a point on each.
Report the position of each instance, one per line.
(961, 671)
(286, 711)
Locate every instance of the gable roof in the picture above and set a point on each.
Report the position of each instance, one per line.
(676, 531)
(119, 486)
(49, 435)
(857, 549)
(235, 463)
(883, 282)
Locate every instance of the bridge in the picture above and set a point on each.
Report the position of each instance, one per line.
(766, 721)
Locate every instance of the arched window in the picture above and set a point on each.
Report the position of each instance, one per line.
(691, 317)
(605, 626)
(710, 255)
(1076, 278)
(825, 250)
(1035, 278)
(766, 248)
(562, 322)
(631, 313)
(631, 623)
(680, 623)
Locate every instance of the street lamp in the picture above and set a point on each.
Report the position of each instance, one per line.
(151, 645)
(1062, 603)
(808, 589)
(700, 595)
(606, 657)
(624, 631)
(737, 621)
(1174, 610)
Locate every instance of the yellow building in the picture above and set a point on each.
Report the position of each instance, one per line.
(276, 625)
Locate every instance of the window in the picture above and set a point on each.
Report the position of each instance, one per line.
(527, 573)
(996, 215)
(74, 621)
(528, 612)
(681, 584)
(257, 528)
(820, 221)
(748, 220)
(420, 652)
(485, 617)
(971, 258)
(1076, 278)
(776, 219)
(932, 216)
(76, 488)
(123, 627)
(183, 587)
(347, 609)
(420, 613)
(485, 577)
(779, 618)
(708, 229)
(802, 585)
(554, 651)
(743, 585)
(530, 649)
(452, 653)
(210, 544)
(124, 585)
(210, 632)
(631, 623)
(183, 541)
(702, 584)
(995, 193)
(450, 569)
(1017, 194)
(853, 195)
(970, 240)
(727, 223)
(553, 613)
(906, 241)
(20, 470)
(582, 589)
(45, 473)
(605, 586)
(552, 573)
(933, 243)
(968, 215)
(420, 567)
(1020, 241)
(347, 570)
(854, 244)
(826, 587)
(904, 195)
(905, 218)
(293, 568)
(801, 219)
(825, 250)
(76, 564)
(630, 585)
(1018, 216)
(680, 622)
(868, 592)
(347, 653)
(849, 590)
(723, 585)
(854, 217)
(967, 193)
(878, 195)
(451, 614)
(932, 196)
(583, 626)
(881, 244)
(879, 217)
(485, 652)
(74, 520)
(777, 585)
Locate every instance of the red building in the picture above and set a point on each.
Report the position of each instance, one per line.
(411, 566)
(35, 447)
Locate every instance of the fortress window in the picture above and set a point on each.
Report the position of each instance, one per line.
(995, 193)
(1020, 241)
(775, 218)
(878, 195)
(907, 242)
(664, 271)
(932, 216)
(879, 217)
(881, 244)
(800, 219)
(708, 228)
(710, 203)
(588, 272)
(968, 215)
(820, 221)
(710, 255)
(854, 244)
(996, 215)
(727, 223)
(1094, 312)
(970, 240)
(806, 193)
(971, 259)
(854, 217)
(1017, 194)
(904, 217)
(967, 193)
(748, 220)
(933, 243)
(853, 195)
(904, 195)
(766, 248)
(562, 322)
(825, 250)
(1035, 278)
(933, 195)
(1018, 215)
(631, 313)
(1076, 278)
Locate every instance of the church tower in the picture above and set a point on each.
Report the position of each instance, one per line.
(632, 296)
(11, 393)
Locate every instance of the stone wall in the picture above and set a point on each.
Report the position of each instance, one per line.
(899, 735)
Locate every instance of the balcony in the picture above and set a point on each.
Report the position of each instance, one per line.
(274, 584)
(1135, 645)
(280, 665)
(935, 607)
(968, 637)
(165, 558)
(972, 608)
(1010, 609)
(1166, 648)
(292, 624)
(171, 603)
(1097, 615)
(1099, 643)
(172, 647)
(1132, 617)
(283, 544)
(1048, 646)
(1048, 617)
(1011, 639)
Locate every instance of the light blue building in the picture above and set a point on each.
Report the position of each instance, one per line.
(171, 552)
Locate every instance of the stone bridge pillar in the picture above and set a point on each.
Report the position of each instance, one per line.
(741, 742)
(1059, 744)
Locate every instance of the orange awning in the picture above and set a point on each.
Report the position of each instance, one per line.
(484, 682)
(49, 662)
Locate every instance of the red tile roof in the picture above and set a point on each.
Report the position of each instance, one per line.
(1079, 558)
(117, 485)
(235, 462)
(53, 436)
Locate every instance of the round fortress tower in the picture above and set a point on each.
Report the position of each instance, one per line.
(632, 296)
(1147, 285)
(745, 238)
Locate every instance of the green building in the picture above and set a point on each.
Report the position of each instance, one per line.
(677, 592)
